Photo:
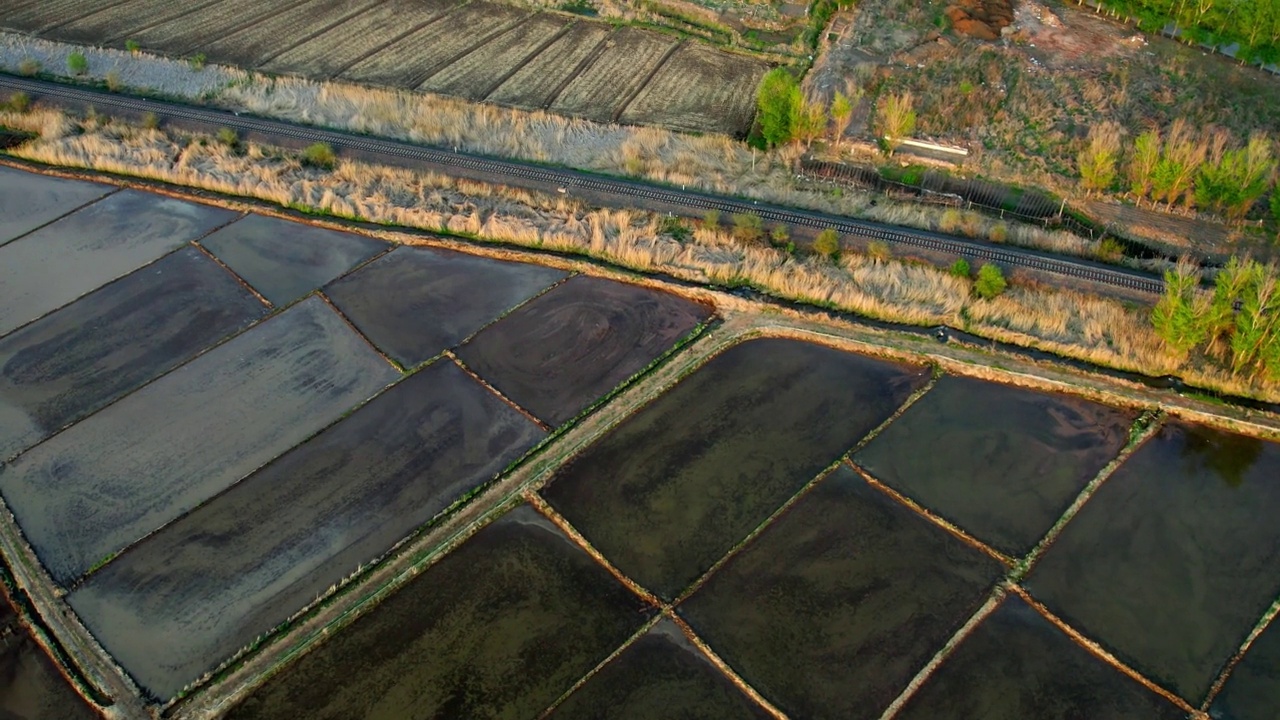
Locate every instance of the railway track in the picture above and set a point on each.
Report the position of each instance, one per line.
(618, 191)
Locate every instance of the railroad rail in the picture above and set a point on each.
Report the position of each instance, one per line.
(618, 191)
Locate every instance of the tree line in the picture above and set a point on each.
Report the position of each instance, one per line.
(1252, 24)
(1236, 325)
(1183, 165)
(785, 115)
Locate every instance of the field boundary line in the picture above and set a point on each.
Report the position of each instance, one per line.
(160, 20)
(756, 532)
(97, 668)
(372, 345)
(932, 517)
(308, 37)
(1024, 565)
(1227, 669)
(601, 45)
(648, 625)
(994, 598)
(118, 278)
(440, 66)
(395, 39)
(500, 395)
(63, 216)
(253, 20)
(239, 280)
(509, 311)
(1100, 652)
(631, 97)
(541, 48)
(730, 674)
(544, 508)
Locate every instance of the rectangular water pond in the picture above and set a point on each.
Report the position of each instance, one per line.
(669, 491)
(80, 358)
(414, 302)
(561, 351)
(1175, 558)
(61, 261)
(29, 200)
(109, 480)
(1017, 666)
(285, 260)
(178, 603)
(498, 628)
(833, 609)
(1001, 462)
(661, 675)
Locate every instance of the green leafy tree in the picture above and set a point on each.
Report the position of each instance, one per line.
(827, 244)
(896, 118)
(841, 114)
(1257, 326)
(774, 97)
(1097, 162)
(1230, 182)
(1142, 164)
(1178, 317)
(1179, 162)
(808, 119)
(990, 281)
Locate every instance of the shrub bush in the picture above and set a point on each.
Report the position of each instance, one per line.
(780, 236)
(320, 155)
(77, 63)
(132, 46)
(228, 137)
(29, 67)
(827, 243)
(711, 219)
(197, 61)
(960, 268)
(113, 81)
(990, 282)
(748, 227)
(877, 250)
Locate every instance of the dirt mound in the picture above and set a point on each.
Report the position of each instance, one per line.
(982, 19)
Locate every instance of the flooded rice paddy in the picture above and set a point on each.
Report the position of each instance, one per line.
(203, 433)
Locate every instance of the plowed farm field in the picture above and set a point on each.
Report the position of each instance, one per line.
(480, 50)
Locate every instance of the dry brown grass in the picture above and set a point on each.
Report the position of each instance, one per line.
(1067, 323)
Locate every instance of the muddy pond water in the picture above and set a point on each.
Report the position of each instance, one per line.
(31, 687)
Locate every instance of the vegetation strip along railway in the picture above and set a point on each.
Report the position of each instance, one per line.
(513, 173)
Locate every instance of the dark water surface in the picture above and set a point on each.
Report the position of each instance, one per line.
(833, 609)
(285, 260)
(1253, 690)
(29, 200)
(1001, 462)
(561, 351)
(109, 480)
(1175, 558)
(188, 597)
(673, 488)
(662, 675)
(414, 302)
(86, 355)
(499, 628)
(31, 688)
(1017, 666)
(111, 238)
